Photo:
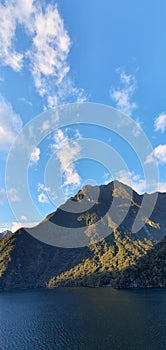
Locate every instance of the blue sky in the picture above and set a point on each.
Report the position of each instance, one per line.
(54, 52)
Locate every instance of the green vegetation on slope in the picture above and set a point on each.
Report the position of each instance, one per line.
(123, 259)
(150, 270)
(109, 257)
(28, 263)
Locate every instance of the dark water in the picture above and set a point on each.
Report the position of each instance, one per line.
(83, 319)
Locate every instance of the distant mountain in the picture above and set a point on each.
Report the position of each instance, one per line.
(5, 233)
(108, 251)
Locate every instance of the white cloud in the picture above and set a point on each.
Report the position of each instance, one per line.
(136, 129)
(7, 32)
(35, 155)
(158, 154)
(42, 198)
(107, 177)
(23, 218)
(24, 100)
(13, 195)
(133, 180)
(150, 159)
(160, 122)
(122, 96)
(68, 89)
(46, 192)
(10, 124)
(137, 183)
(42, 187)
(2, 195)
(161, 186)
(3, 229)
(67, 152)
(12, 13)
(52, 100)
(51, 45)
(14, 226)
(49, 59)
(23, 10)
(47, 55)
(45, 125)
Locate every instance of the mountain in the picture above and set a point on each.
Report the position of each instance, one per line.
(5, 233)
(94, 242)
(150, 270)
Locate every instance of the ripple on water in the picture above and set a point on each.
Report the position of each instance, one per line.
(84, 319)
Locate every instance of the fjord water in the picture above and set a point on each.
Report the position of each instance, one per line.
(84, 319)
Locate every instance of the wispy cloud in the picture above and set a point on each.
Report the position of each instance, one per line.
(24, 100)
(137, 183)
(10, 124)
(14, 226)
(35, 156)
(158, 154)
(46, 194)
(13, 195)
(7, 30)
(160, 123)
(136, 129)
(67, 152)
(23, 218)
(13, 13)
(129, 178)
(49, 58)
(66, 89)
(51, 46)
(133, 180)
(47, 55)
(43, 198)
(2, 196)
(42, 187)
(122, 96)
(161, 186)
(4, 228)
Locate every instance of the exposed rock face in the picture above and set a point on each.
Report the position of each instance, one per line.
(108, 251)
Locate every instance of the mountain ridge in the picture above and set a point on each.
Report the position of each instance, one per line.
(112, 249)
(5, 233)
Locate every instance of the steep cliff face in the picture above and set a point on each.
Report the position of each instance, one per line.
(101, 253)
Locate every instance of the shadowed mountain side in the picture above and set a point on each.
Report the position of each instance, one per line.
(96, 227)
(28, 263)
(5, 233)
(150, 270)
(95, 212)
